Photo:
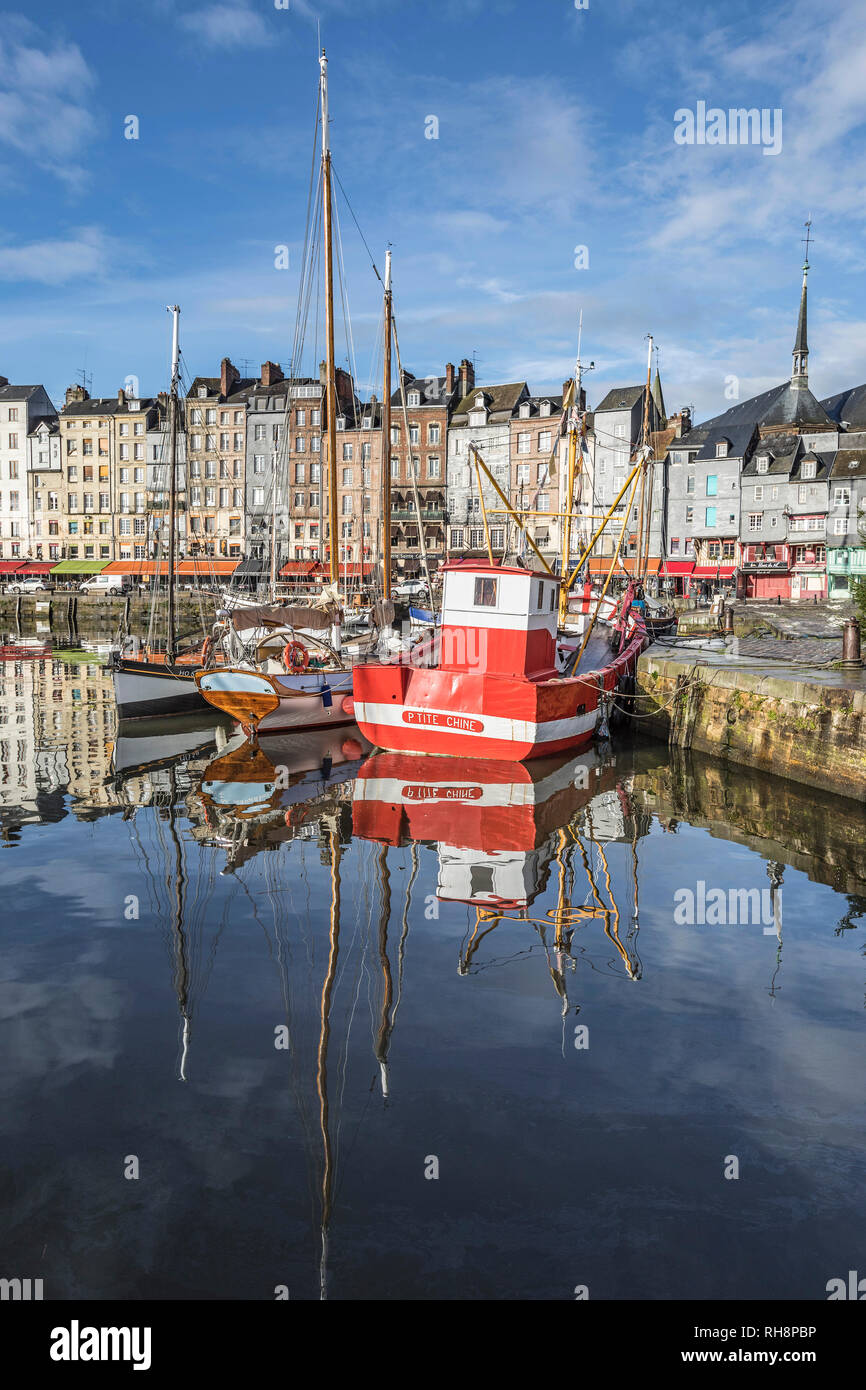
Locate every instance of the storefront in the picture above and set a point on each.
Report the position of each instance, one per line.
(764, 573)
(675, 576)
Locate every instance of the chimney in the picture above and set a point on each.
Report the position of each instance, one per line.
(449, 378)
(271, 374)
(121, 397)
(229, 374)
(684, 422)
(467, 377)
(76, 393)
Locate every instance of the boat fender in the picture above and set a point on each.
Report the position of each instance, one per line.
(296, 657)
(327, 696)
(348, 705)
(327, 765)
(351, 749)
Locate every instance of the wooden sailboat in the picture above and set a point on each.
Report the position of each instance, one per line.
(149, 681)
(296, 680)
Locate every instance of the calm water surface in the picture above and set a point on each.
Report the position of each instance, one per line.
(372, 1028)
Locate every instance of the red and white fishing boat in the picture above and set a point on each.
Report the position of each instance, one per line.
(503, 685)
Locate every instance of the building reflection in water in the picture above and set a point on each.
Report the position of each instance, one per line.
(555, 846)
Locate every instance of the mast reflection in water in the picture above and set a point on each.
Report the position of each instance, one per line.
(382, 1026)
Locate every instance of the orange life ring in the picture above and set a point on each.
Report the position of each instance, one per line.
(296, 657)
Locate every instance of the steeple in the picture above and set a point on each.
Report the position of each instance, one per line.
(800, 373)
(659, 398)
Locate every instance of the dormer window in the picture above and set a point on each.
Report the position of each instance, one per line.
(368, 423)
(544, 408)
(202, 393)
(524, 410)
(341, 422)
(722, 449)
(415, 398)
(809, 468)
(763, 464)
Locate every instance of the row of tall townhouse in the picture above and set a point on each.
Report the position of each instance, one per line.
(769, 496)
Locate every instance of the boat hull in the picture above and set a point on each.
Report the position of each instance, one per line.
(478, 715)
(144, 689)
(272, 704)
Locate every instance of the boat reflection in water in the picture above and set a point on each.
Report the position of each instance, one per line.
(502, 831)
(258, 794)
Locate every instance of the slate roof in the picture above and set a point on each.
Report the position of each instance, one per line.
(692, 440)
(621, 398)
(850, 462)
(849, 406)
(824, 463)
(16, 393)
(109, 405)
(738, 438)
(432, 389)
(782, 450)
(796, 406)
(499, 400)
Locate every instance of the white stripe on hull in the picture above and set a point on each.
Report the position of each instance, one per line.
(393, 790)
(493, 725)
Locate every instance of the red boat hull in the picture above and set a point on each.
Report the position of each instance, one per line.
(480, 715)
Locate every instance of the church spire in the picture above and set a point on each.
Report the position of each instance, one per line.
(800, 374)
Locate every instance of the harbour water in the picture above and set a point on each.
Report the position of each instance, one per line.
(300, 1023)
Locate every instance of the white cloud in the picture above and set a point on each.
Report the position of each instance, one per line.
(227, 26)
(44, 87)
(55, 261)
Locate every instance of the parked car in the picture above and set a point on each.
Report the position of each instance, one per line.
(112, 584)
(410, 588)
(28, 584)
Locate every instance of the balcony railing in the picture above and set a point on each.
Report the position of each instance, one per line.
(427, 514)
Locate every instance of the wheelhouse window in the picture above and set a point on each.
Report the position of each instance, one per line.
(485, 593)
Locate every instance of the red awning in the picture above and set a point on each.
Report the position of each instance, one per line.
(301, 567)
(713, 571)
(10, 566)
(202, 568)
(37, 567)
(678, 567)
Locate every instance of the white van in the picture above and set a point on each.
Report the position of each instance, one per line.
(112, 584)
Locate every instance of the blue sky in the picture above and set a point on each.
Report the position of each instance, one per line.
(555, 131)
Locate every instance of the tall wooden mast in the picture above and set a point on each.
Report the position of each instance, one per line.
(331, 375)
(386, 438)
(174, 310)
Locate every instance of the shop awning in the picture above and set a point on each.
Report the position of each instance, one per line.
(713, 571)
(677, 567)
(302, 567)
(79, 567)
(10, 566)
(600, 564)
(37, 567)
(203, 568)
